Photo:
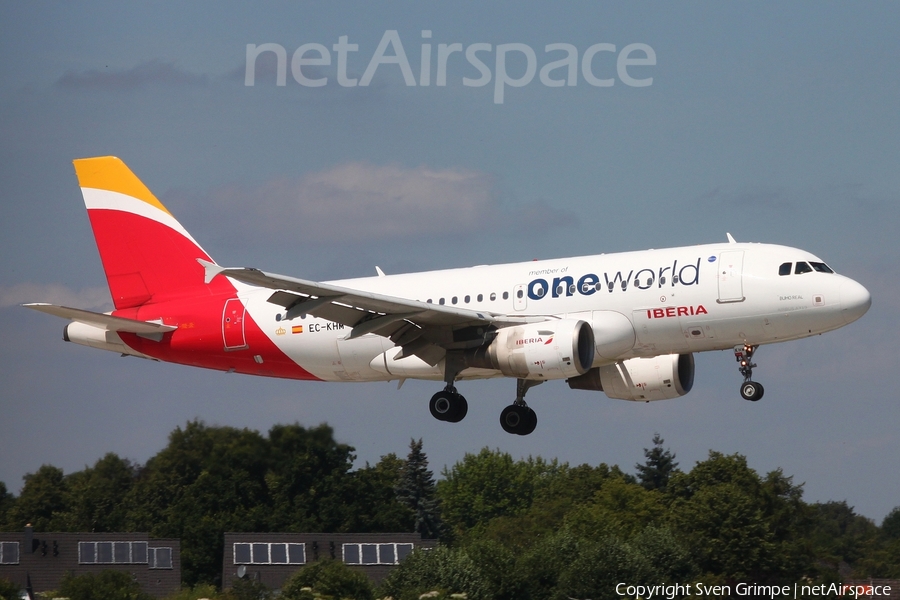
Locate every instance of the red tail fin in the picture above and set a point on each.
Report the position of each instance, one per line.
(147, 255)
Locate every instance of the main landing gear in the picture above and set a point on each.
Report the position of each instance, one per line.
(750, 390)
(448, 405)
(518, 418)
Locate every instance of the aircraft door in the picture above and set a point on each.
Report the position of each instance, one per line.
(233, 324)
(520, 297)
(731, 265)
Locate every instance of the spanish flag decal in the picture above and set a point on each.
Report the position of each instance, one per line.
(297, 329)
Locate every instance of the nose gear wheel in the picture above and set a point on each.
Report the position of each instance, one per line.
(750, 390)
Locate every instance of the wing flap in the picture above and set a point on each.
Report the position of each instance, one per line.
(102, 320)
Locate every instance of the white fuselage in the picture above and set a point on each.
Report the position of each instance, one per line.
(656, 302)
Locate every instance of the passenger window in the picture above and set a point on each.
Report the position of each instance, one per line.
(493, 296)
(519, 293)
(506, 295)
(453, 300)
(784, 269)
(821, 267)
(428, 301)
(480, 297)
(441, 301)
(466, 299)
(801, 268)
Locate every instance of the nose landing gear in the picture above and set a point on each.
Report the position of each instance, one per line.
(750, 390)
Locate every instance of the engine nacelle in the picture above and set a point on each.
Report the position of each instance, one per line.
(641, 379)
(546, 350)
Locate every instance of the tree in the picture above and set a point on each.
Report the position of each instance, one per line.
(7, 501)
(660, 464)
(42, 501)
(890, 527)
(97, 496)
(371, 503)
(417, 491)
(484, 486)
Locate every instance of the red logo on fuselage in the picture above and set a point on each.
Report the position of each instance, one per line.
(676, 311)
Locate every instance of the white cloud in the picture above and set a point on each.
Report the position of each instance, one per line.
(362, 201)
(95, 298)
(153, 72)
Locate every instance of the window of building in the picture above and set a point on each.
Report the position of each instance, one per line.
(785, 269)
(375, 554)
(9, 553)
(160, 558)
(112, 553)
(259, 553)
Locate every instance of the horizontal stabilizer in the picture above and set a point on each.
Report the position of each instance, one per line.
(102, 320)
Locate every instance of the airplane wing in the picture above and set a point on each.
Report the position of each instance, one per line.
(101, 320)
(426, 330)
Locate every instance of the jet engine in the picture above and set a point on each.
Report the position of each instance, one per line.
(546, 350)
(644, 379)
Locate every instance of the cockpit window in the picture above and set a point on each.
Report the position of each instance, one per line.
(801, 268)
(785, 269)
(821, 267)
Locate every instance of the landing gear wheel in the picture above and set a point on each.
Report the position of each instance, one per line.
(530, 422)
(448, 406)
(441, 405)
(459, 409)
(751, 390)
(518, 420)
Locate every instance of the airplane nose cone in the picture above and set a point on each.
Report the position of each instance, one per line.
(855, 300)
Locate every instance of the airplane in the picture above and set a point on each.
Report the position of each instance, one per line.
(626, 324)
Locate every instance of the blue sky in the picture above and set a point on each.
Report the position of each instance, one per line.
(777, 123)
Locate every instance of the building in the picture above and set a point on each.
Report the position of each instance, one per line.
(45, 558)
(273, 557)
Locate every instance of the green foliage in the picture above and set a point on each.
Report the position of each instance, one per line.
(443, 569)
(105, 585)
(484, 486)
(247, 589)
(96, 496)
(42, 501)
(890, 527)
(417, 491)
(654, 474)
(8, 590)
(198, 592)
(330, 578)
(618, 508)
(371, 504)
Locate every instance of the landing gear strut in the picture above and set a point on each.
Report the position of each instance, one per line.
(750, 390)
(518, 418)
(448, 404)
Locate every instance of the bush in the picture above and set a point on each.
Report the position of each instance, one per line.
(330, 578)
(8, 590)
(248, 589)
(105, 585)
(198, 592)
(443, 570)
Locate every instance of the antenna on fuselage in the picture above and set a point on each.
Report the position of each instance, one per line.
(730, 239)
